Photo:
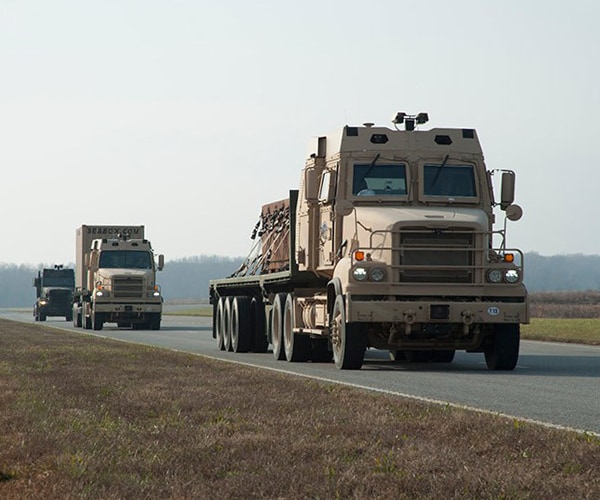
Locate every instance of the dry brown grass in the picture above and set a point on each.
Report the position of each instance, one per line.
(83, 417)
(566, 305)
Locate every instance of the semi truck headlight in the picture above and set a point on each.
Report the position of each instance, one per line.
(359, 273)
(506, 275)
(376, 274)
(494, 275)
(511, 276)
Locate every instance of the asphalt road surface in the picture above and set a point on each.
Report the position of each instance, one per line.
(555, 384)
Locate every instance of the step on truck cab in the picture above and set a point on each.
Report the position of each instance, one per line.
(389, 243)
(115, 279)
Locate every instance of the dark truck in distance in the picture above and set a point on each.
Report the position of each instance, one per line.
(54, 292)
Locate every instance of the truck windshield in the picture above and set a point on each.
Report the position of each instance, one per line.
(125, 259)
(449, 180)
(370, 180)
(57, 278)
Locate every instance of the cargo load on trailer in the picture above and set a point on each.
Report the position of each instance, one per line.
(115, 278)
(389, 243)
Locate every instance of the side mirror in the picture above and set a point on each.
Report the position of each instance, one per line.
(311, 184)
(507, 195)
(514, 212)
(327, 188)
(344, 208)
(161, 262)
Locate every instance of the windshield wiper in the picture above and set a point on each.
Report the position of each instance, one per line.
(437, 174)
(371, 166)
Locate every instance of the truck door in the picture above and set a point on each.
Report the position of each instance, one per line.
(326, 219)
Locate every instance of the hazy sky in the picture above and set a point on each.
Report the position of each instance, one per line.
(187, 115)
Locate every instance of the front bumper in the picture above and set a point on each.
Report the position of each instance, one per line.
(127, 308)
(466, 312)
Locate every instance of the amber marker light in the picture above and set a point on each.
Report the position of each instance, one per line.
(509, 257)
(359, 255)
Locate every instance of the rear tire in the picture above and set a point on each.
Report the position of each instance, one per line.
(241, 331)
(503, 352)
(418, 356)
(296, 345)
(219, 323)
(320, 352)
(276, 325)
(260, 343)
(77, 318)
(445, 356)
(396, 356)
(349, 343)
(227, 324)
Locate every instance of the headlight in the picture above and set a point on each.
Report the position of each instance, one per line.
(511, 276)
(376, 274)
(99, 293)
(359, 274)
(494, 275)
(43, 302)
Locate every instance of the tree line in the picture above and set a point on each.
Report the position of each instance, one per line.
(187, 278)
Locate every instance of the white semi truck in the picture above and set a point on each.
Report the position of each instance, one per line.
(115, 278)
(389, 243)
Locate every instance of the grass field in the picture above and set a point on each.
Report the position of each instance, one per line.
(574, 330)
(84, 417)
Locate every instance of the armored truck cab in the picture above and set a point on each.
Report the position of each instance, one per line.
(390, 244)
(54, 293)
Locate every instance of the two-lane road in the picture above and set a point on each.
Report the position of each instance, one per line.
(553, 383)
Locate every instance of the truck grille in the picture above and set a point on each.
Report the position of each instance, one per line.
(435, 256)
(60, 297)
(125, 286)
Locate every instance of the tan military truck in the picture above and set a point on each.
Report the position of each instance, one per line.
(115, 278)
(389, 244)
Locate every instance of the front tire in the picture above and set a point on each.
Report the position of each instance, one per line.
(154, 321)
(503, 352)
(97, 322)
(349, 344)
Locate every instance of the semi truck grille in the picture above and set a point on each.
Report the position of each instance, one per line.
(436, 256)
(60, 297)
(128, 286)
